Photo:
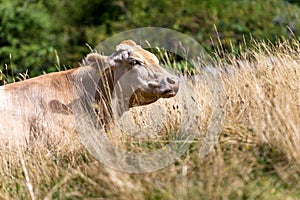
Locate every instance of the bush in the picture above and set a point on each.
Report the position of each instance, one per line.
(25, 36)
(31, 30)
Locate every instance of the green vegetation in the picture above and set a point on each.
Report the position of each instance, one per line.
(35, 33)
(25, 37)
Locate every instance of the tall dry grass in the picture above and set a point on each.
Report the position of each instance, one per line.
(257, 156)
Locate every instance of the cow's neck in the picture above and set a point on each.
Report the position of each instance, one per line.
(103, 96)
(100, 93)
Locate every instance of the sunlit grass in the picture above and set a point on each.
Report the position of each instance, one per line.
(258, 155)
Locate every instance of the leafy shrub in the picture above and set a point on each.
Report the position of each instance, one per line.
(25, 36)
(32, 30)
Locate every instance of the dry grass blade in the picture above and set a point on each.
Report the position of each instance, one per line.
(27, 178)
(258, 155)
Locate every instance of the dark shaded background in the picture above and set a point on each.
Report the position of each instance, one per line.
(34, 34)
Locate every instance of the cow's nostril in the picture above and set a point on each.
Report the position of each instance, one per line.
(171, 80)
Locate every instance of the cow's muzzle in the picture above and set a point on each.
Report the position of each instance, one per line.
(165, 88)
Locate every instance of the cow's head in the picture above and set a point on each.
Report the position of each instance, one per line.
(135, 73)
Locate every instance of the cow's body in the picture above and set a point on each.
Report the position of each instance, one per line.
(45, 103)
(37, 104)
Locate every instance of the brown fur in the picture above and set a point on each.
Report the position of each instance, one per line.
(47, 101)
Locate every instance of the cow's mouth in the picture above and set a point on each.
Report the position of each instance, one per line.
(140, 97)
(168, 93)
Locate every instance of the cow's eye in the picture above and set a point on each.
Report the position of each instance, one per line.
(135, 62)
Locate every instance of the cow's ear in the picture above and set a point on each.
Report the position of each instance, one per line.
(96, 60)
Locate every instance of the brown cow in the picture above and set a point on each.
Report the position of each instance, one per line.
(46, 103)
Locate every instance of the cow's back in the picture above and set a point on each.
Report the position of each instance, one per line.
(30, 107)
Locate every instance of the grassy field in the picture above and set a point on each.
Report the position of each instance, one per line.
(257, 157)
